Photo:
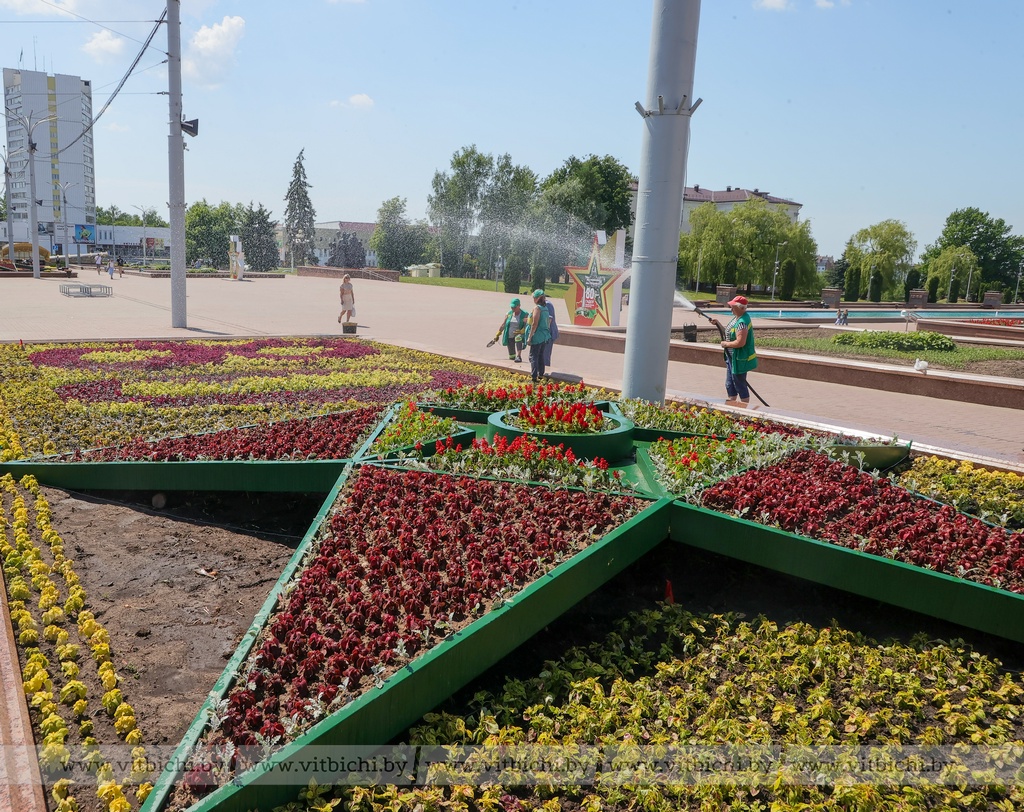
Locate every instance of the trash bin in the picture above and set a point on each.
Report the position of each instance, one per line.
(690, 333)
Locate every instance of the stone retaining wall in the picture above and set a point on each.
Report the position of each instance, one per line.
(356, 273)
(933, 383)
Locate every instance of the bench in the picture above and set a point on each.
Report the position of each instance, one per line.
(73, 289)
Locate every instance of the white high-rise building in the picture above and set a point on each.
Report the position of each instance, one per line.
(63, 156)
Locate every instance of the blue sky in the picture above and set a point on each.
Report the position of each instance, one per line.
(861, 110)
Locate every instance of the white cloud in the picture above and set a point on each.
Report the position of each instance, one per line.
(830, 3)
(357, 100)
(114, 127)
(211, 51)
(104, 46)
(334, 2)
(773, 5)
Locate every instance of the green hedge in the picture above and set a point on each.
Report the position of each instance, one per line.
(903, 342)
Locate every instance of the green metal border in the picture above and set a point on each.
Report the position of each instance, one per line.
(882, 457)
(383, 712)
(462, 415)
(976, 606)
(165, 783)
(612, 445)
(283, 476)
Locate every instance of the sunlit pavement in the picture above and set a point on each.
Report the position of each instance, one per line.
(458, 323)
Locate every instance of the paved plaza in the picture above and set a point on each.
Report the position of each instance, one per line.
(458, 323)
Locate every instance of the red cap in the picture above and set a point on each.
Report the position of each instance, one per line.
(741, 300)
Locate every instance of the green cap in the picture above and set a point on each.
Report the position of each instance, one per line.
(538, 293)
(514, 303)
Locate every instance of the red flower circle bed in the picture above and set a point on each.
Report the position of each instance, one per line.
(827, 500)
(328, 437)
(408, 557)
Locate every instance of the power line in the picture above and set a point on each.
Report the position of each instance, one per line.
(92, 22)
(131, 68)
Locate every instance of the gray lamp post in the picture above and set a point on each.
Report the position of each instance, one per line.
(778, 245)
(499, 268)
(64, 216)
(970, 276)
(949, 290)
(33, 222)
(10, 205)
(140, 208)
(700, 257)
(1016, 290)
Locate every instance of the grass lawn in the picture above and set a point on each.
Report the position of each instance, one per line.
(960, 358)
(551, 288)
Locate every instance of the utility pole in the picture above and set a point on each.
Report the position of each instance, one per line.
(666, 135)
(33, 221)
(176, 166)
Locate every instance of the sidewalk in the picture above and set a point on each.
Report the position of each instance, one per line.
(458, 323)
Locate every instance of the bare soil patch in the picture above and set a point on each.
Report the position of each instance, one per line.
(172, 628)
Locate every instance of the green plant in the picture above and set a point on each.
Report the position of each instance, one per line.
(933, 289)
(889, 340)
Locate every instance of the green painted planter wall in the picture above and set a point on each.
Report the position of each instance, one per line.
(277, 476)
(976, 606)
(614, 444)
(870, 457)
(381, 713)
(464, 438)
(462, 415)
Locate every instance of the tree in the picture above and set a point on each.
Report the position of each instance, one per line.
(998, 253)
(347, 252)
(887, 247)
(594, 190)
(454, 205)
(788, 280)
(208, 232)
(113, 216)
(398, 243)
(875, 287)
(257, 232)
(515, 268)
(956, 261)
(299, 217)
(507, 202)
(913, 283)
(933, 289)
(836, 278)
(739, 246)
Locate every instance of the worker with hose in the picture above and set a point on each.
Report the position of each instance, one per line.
(740, 356)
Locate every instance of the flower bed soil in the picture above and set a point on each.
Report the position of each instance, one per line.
(172, 628)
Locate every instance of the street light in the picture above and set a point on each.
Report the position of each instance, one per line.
(140, 208)
(700, 257)
(33, 223)
(949, 290)
(778, 245)
(64, 216)
(499, 267)
(1016, 290)
(970, 275)
(7, 198)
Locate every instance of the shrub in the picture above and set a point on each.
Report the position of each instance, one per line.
(513, 277)
(902, 342)
(933, 289)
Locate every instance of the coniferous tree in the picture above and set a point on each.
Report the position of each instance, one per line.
(299, 217)
(257, 233)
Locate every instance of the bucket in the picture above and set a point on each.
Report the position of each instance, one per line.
(349, 329)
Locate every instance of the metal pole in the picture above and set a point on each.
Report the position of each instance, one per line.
(176, 166)
(700, 257)
(1016, 290)
(949, 290)
(775, 276)
(10, 207)
(33, 219)
(970, 276)
(666, 134)
(141, 209)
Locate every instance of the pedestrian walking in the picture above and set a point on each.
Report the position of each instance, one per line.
(99, 265)
(110, 268)
(348, 299)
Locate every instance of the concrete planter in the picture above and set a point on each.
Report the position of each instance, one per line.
(612, 444)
